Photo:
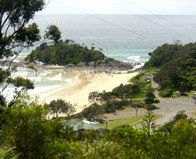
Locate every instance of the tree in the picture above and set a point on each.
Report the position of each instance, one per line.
(150, 100)
(53, 33)
(176, 68)
(93, 113)
(15, 36)
(93, 97)
(30, 134)
(60, 106)
(150, 97)
(149, 123)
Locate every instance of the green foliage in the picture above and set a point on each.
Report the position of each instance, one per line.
(21, 82)
(106, 150)
(92, 113)
(7, 154)
(53, 33)
(63, 53)
(112, 106)
(17, 14)
(179, 143)
(2, 101)
(166, 93)
(168, 126)
(16, 34)
(126, 91)
(150, 97)
(137, 94)
(176, 64)
(60, 106)
(29, 34)
(132, 121)
(30, 133)
(143, 84)
(32, 136)
(149, 123)
(150, 100)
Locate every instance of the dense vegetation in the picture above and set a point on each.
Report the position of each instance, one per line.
(65, 52)
(176, 66)
(26, 130)
(31, 136)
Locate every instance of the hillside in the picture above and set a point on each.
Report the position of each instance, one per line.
(176, 67)
(70, 53)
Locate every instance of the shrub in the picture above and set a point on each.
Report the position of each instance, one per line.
(92, 113)
(30, 133)
(151, 107)
(112, 106)
(165, 93)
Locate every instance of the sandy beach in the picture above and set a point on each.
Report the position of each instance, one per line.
(87, 82)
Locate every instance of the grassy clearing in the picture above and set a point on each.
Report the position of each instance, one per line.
(151, 70)
(194, 114)
(146, 85)
(124, 121)
(133, 120)
(126, 109)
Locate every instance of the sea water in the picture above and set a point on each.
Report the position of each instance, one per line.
(125, 37)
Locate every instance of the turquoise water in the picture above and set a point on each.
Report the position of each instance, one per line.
(124, 37)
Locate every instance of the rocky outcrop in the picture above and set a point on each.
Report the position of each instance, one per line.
(108, 63)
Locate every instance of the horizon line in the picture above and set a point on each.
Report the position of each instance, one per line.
(51, 14)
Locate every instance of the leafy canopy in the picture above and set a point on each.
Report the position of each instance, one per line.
(176, 67)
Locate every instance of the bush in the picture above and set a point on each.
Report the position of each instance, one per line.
(112, 106)
(30, 133)
(7, 154)
(165, 93)
(151, 107)
(92, 113)
(156, 101)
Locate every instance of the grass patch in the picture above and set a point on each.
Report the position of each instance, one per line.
(194, 114)
(140, 96)
(145, 85)
(124, 121)
(133, 120)
(126, 109)
(151, 70)
(138, 78)
(190, 94)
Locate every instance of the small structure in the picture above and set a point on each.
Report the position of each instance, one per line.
(82, 124)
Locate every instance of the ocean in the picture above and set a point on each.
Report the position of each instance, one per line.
(124, 37)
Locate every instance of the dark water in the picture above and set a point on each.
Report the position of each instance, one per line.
(125, 37)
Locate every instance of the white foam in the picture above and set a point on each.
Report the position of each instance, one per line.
(58, 77)
(135, 58)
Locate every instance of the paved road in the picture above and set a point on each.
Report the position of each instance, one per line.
(168, 108)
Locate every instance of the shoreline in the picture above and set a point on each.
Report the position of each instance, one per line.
(89, 80)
